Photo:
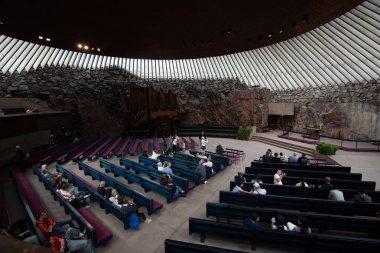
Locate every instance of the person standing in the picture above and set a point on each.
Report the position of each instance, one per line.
(204, 141)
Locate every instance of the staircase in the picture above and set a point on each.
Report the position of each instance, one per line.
(285, 145)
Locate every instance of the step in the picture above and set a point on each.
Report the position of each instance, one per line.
(290, 147)
(285, 145)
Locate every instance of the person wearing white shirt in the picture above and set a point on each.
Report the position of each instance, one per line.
(302, 183)
(204, 141)
(278, 177)
(336, 195)
(283, 158)
(160, 167)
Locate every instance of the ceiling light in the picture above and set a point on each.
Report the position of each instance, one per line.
(282, 30)
(85, 47)
(92, 49)
(80, 45)
(98, 49)
(47, 39)
(40, 37)
(269, 35)
(1, 23)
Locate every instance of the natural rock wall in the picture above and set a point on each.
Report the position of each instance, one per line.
(102, 97)
(217, 102)
(346, 111)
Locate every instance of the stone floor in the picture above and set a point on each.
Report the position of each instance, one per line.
(172, 221)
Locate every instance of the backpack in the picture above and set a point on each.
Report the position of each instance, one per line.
(134, 221)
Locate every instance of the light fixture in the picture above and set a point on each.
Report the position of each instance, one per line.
(1, 23)
(85, 47)
(47, 39)
(40, 37)
(80, 45)
(92, 49)
(269, 35)
(98, 49)
(282, 30)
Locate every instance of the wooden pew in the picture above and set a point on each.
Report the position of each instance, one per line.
(305, 173)
(153, 173)
(305, 192)
(208, 227)
(172, 246)
(300, 204)
(295, 166)
(94, 229)
(146, 183)
(103, 203)
(339, 183)
(321, 222)
(309, 242)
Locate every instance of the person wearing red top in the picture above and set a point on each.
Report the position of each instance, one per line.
(57, 243)
(47, 225)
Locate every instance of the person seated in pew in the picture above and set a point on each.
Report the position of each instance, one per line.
(167, 181)
(186, 150)
(303, 159)
(278, 223)
(129, 207)
(302, 183)
(76, 197)
(145, 154)
(168, 168)
(154, 155)
(275, 158)
(238, 188)
(48, 226)
(252, 221)
(75, 241)
(283, 158)
(160, 167)
(55, 178)
(209, 163)
(267, 158)
(115, 198)
(108, 194)
(239, 178)
(327, 185)
(336, 195)
(258, 190)
(301, 228)
(278, 176)
(202, 170)
(200, 156)
(293, 158)
(361, 197)
(102, 188)
(257, 179)
(19, 230)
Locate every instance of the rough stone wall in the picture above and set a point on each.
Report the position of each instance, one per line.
(102, 99)
(217, 102)
(346, 111)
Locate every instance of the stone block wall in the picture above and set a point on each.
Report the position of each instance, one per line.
(348, 111)
(101, 98)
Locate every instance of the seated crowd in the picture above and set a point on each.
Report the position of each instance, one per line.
(125, 203)
(282, 158)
